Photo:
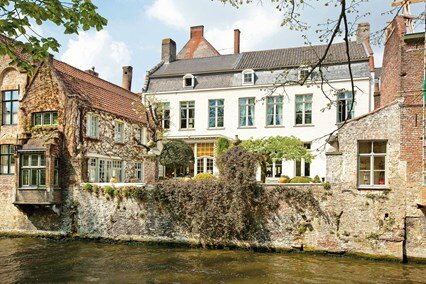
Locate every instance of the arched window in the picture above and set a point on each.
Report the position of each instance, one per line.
(188, 81)
(248, 77)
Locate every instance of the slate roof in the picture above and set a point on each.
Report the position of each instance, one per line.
(266, 59)
(101, 94)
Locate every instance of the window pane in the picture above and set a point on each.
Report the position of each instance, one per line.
(379, 163)
(42, 161)
(220, 121)
(364, 163)
(55, 118)
(42, 177)
(308, 118)
(4, 162)
(33, 177)
(365, 147)
(34, 160)
(212, 122)
(379, 147)
(25, 177)
(364, 177)
(7, 96)
(37, 119)
(379, 178)
(12, 164)
(26, 160)
(298, 168)
(15, 95)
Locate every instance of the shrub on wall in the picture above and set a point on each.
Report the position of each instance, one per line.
(300, 180)
(204, 176)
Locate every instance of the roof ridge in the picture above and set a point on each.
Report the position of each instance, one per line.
(298, 47)
(95, 78)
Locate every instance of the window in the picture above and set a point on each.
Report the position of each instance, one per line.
(141, 135)
(248, 77)
(216, 113)
(166, 115)
(275, 169)
(204, 158)
(188, 81)
(33, 170)
(7, 160)
(304, 73)
(274, 110)
(102, 170)
(92, 126)
(345, 107)
(10, 107)
(372, 163)
(56, 173)
(119, 132)
(139, 172)
(45, 118)
(303, 168)
(246, 109)
(303, 109)
(187, 114)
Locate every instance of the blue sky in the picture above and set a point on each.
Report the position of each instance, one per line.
(136, 27)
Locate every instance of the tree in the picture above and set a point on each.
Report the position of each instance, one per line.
(176, 154)
(19, 17)
(277, 148)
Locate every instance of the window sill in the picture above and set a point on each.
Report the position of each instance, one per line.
(32, 188)
(371, 187)
(216, 128)
(304, 125)
(247, 127)
(186, 129)
(9, 125)
(119, 142)
(274, 126)
(92, 138)
(8, 175)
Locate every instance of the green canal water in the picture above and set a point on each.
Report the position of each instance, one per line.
(46, 261)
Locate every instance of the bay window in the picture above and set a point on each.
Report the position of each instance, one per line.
(33, 170)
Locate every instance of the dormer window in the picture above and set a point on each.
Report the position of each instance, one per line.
(304, 73)
(248, 77)
(188, 81)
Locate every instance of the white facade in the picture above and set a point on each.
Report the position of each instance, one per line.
(324, 120)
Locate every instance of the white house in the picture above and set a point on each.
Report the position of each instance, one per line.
(208, 95)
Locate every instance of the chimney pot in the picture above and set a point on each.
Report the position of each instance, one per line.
(363, 33)
(92, 72)
(126, 82)
(168, 50)
(237, 34)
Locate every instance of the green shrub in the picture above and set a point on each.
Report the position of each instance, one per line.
(126, 191)
(223, 145)
(317, 179)
(138, 193)
(116, 192)
(284, 179)
(87, 187)
(326, 185)
(300, 180)
(204, 176)
(109, 190)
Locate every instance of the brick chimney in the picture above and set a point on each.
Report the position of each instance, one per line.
(168, 50)
(363, 33)
(197, 32)
(237, 34)
(92, 72)
(126, 82)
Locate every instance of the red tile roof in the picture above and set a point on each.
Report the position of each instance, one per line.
(101, 94)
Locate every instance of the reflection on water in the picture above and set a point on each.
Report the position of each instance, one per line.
(35, 260)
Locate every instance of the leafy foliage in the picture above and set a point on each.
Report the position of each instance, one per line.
(19, 17)
(300, 180)
(223, 144)
(176, 154)
(204, 176)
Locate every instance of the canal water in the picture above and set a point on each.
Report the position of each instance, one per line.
(46, 261)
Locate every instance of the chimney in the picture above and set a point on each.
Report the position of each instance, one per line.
(237, 34)
(92, 72)
(168, 50)
(363, 33)
(126, 82)
(197, 32)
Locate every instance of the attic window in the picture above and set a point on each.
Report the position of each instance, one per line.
(248, 77)
(304, 73)
(188, 81)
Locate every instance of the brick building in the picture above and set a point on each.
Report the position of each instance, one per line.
(63, 127)
(386, 156)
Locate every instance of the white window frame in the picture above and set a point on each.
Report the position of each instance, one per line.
(139, 172)
(188, 76)
(304, 69)
(372, 156)
(243, 77)
(247, 106)
(92, 125)
(216, 108)
(105, 167)
(303, 163)
(303, 102)
(274, 107)
(346, 99)
(50, 117)
(119, 135)
(185, 106)
(141, 135)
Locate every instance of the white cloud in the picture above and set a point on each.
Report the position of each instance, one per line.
(167, 11)
(258, 23)
(100, 50)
